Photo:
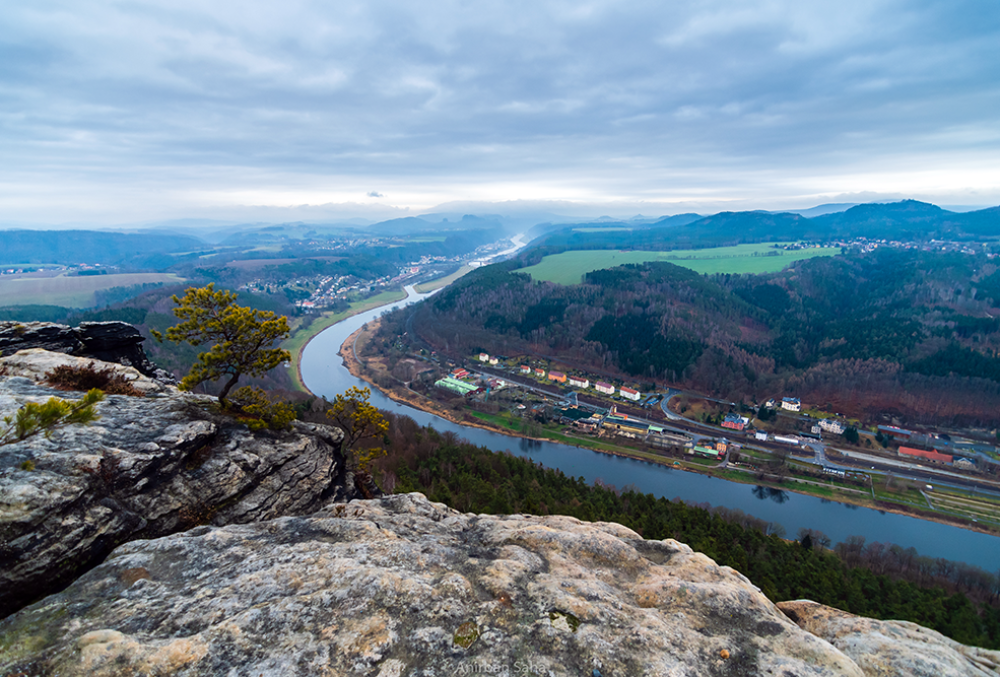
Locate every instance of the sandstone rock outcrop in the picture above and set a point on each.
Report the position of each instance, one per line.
(892, 648)
(401, 586)
(107, 341)
(150, 466)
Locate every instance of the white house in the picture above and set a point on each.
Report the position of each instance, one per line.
(577, 382)
(484, 357)
(630, 394)
(791, 404)
(832, 426)
(760, 435)
(605, 388)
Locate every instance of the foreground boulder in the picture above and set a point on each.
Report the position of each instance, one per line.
(117, 342)
(150, 466)
(893, 648)
(402, 586)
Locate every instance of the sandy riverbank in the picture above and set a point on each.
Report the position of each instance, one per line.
(417, 401)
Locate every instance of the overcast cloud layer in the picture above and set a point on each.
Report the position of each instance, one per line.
(124, 111)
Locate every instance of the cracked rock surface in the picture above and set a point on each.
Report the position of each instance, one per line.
(893, 648)
(402, 586)
(150, 466)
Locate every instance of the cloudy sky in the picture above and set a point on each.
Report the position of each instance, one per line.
(121, 111)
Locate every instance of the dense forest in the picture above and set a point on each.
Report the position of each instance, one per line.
(872, 579)
(910, 333)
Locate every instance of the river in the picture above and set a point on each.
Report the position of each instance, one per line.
(324, 374)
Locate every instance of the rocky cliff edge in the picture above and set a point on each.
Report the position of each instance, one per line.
(150, 466)
(402, 586)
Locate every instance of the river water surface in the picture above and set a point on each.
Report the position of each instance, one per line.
(324, 374)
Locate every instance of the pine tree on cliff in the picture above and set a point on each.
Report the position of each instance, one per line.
(242, 338)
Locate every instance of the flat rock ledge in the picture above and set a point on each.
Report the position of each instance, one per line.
(150, 466)
(893, 647)
(402, 586)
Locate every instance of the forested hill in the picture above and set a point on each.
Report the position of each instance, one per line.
(141, 250)
(901, 331)
(906, 220)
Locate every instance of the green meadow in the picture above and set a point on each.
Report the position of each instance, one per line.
(570, 267)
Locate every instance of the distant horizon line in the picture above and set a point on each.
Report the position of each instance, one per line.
(482, 209)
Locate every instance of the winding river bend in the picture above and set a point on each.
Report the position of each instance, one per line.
(324, 374)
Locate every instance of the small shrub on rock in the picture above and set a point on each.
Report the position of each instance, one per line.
(66, 377)
(34, 418)
(252, 405)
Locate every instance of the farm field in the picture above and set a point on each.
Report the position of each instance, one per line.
(72, 292)
(425, 287)
(570, 267)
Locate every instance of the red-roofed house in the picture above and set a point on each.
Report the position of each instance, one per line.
(630, 394)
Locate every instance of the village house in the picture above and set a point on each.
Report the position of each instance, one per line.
(578, 382)
(964, 463)
(831, 426)
(525, 369)
(484, 357)
(791, 404)
(557, 376)
(494, 361)
(735, 422)
(605, 388)
(539, 372)
(630, 394)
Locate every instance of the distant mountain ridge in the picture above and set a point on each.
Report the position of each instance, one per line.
(91, 246)
(905, 220)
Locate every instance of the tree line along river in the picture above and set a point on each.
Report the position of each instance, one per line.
(324, 374)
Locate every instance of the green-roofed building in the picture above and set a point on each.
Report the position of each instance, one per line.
(456, 386)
